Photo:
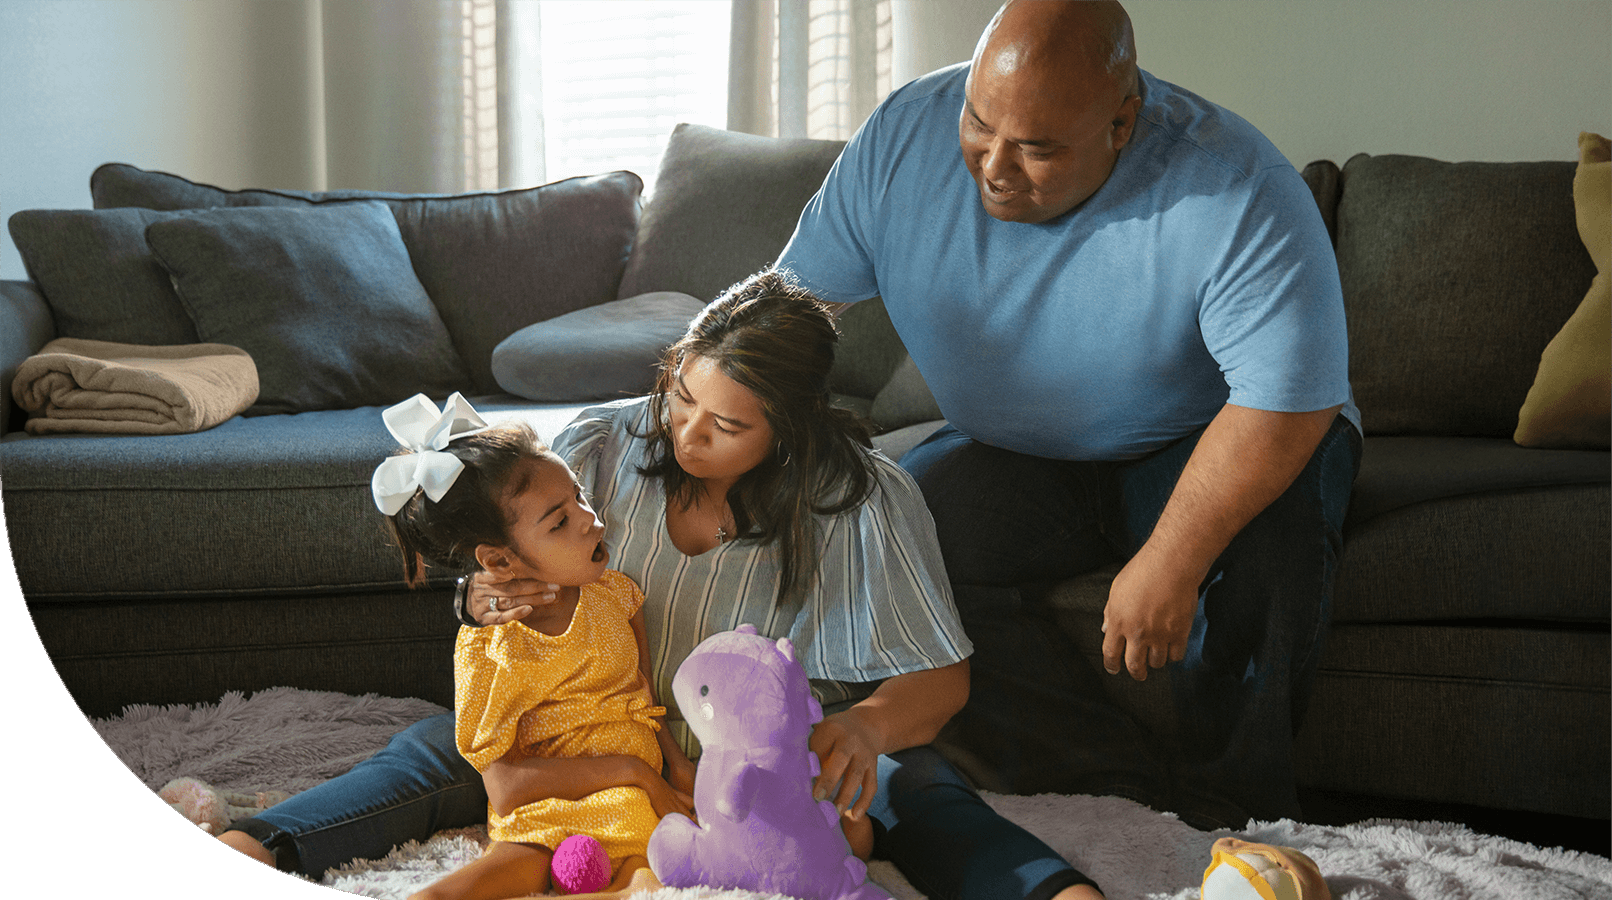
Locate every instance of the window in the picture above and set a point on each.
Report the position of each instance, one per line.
(608, 81)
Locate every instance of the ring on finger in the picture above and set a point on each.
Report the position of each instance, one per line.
(492, 604)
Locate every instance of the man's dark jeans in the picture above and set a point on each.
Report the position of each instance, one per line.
(1037, 712)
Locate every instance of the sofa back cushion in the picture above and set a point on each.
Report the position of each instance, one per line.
(492, 263)
(1455, 277)
(725, 203)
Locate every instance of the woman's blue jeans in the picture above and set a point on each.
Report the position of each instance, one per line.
(417, 785)
(932, 824)
(1037, 712)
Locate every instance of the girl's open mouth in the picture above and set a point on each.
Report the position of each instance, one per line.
(599, 552)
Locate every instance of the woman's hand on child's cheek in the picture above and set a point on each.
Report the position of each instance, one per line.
(516, 597)
(847, 746)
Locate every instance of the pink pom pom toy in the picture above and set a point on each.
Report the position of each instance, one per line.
(580, 866)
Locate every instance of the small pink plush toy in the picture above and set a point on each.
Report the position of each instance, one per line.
(211, 809)
(1240, 870)
(579, 866)
(748, 701)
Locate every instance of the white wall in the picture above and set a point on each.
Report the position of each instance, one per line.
(220, 90)
(212, 90)
(1451, 79)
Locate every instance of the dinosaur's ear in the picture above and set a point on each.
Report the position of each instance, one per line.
(786, 648)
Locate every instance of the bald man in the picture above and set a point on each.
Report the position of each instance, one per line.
(1128, 309)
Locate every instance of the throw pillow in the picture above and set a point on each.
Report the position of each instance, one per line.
(605, 351)
(323, 299)
(99, 277)
(725, 204)
(491, 262)
(1570, 404)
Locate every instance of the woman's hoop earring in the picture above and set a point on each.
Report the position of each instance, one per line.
(787, 456)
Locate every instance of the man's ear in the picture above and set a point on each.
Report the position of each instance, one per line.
(1125, 122)
(494, 559)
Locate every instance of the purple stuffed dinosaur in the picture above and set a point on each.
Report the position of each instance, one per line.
(748, 701)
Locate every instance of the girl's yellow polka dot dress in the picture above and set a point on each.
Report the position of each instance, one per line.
(578, 694)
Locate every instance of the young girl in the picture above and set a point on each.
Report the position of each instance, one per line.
(568, 681)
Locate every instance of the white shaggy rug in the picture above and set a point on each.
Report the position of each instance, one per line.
(285, 739)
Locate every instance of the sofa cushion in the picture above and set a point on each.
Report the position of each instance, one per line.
(1484, 714)
(869, 350)
(324, 300)
(601, 352)
(725, 204)
(1455, 277)
(1570, 403)
(1400, 471)
(99, 277)
(904, 400)
(1522, 534)
(491, 262)
(274, 505)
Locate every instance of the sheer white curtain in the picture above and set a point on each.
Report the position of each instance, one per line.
(448, 95)
(807, 68)
(408, 96)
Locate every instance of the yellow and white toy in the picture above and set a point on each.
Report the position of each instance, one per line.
(1240, 870)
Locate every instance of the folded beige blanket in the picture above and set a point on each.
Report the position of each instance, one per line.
(75, 385)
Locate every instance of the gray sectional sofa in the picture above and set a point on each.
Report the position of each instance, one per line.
(1469, 657)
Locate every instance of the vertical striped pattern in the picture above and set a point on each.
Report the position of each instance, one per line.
(881, 605)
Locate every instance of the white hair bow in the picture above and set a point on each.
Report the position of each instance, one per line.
(424, 430)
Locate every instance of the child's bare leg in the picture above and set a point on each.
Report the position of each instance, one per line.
(859, 834)
(504, 870)
(633, 876)
(243, 843)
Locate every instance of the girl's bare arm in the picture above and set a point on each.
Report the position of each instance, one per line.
(517, 779)
(679, 768)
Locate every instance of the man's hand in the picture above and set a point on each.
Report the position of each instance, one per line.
(516, 597)
(1148, 617)
(847, 746)
(1245, 459)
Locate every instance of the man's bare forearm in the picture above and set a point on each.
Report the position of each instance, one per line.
(1244, 461)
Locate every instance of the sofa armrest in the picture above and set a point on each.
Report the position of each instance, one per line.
(29, 328)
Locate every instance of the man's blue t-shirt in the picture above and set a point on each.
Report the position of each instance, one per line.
(1200, 273)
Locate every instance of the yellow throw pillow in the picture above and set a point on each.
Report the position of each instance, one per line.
(1570, 404)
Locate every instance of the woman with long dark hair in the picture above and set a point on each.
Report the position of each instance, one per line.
(736, 493)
